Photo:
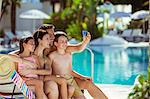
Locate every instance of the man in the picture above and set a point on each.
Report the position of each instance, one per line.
(84, 83)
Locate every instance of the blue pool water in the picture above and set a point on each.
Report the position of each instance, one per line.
(113, 66)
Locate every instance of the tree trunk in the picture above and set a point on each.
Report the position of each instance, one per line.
(0, 6)
(4, 8)
(13, 18)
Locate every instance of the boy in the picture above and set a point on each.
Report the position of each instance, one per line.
(62, 63)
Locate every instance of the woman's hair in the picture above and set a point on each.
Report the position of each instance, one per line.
(23, 40)
(46, 26)
(38, 35)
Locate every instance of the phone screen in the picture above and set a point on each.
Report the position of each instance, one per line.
(84, 33)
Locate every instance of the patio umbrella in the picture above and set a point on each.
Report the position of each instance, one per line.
(33, 14)
(140, 14)
(120, 15)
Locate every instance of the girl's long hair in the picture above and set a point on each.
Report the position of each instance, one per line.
(23, 40)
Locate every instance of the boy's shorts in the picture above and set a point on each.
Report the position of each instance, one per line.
(72, 82)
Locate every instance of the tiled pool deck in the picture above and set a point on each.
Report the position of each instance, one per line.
(113, 91)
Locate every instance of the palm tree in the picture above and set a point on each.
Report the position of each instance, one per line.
(13, 4)
(5, 4)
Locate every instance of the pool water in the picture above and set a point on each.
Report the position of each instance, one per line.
(119, 66)
(113, 67)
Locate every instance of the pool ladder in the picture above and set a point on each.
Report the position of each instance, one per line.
(92, 62)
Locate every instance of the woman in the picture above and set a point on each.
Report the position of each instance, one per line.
(42, 41)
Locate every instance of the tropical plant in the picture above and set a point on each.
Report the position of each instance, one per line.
(77, 14)
(141, 89)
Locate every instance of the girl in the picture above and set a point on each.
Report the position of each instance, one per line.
(27, 67)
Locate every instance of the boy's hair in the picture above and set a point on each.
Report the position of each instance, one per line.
(59, 34)
(46, 26)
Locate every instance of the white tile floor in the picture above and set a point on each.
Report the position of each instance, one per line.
(113, 91)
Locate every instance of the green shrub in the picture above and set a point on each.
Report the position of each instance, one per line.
(141, 90)
(78, 15)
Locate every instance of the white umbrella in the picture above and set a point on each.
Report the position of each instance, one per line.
(120, 15)
(33, 14)
(140, 14)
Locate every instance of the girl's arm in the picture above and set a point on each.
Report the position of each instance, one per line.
(39, 71)
(79, 47)
(15, 58)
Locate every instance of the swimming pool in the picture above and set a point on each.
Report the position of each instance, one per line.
(112, 66)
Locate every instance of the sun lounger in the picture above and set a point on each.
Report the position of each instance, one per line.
(147, 36)
(11, 84)
(127, 35)
(112, 33)
(137, 35)
(1, 40)
(21, 34)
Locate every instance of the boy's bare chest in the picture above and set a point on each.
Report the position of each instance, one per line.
(62, 61)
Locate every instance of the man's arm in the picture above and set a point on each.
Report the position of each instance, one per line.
(79, 47)
(77, 75)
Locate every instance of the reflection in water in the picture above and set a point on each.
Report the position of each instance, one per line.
(113, 66)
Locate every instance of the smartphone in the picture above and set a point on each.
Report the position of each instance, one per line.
(84, 33)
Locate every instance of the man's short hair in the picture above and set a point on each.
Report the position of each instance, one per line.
(47, 26)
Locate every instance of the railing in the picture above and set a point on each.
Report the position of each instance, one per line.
(92, 62)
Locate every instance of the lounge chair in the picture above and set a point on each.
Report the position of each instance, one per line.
(9, 38)
(112, 33)
(21, 34)
(137, 35)
(127, 35)
(147, 36)
(11, 84)
(1, 41)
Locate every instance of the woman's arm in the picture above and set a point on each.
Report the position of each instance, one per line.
(41, 72)
(79, 47)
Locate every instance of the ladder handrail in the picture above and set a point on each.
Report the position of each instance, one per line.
(92, 62)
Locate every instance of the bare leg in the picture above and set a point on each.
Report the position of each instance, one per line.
(80, 97)
(38, 84)
(94, 91)
(70, 91)
(63, 85)
(51, 89)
